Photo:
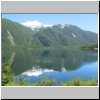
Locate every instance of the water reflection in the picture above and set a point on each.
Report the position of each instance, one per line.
(12, 58)
(36, 71)
(67, 59)
(86, 71)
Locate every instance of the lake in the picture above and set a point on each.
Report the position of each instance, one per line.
(61, 64)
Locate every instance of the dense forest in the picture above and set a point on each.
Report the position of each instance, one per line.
(55, 42)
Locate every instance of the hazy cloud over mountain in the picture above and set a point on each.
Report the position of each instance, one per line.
(35, 24)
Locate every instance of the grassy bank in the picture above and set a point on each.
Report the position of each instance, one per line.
(80, 82)
(47, 82)
(8, 80)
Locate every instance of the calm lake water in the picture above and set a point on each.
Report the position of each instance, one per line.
(59, 64)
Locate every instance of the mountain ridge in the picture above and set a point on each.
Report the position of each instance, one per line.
(46, 36)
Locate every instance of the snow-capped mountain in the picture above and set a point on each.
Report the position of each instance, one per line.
(20, 36)
(35, 25)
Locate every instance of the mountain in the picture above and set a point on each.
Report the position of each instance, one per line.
(65, 35)
(36, 25)
(16, 35)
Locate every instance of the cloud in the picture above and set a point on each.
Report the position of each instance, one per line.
(35, 24)
(32, 23)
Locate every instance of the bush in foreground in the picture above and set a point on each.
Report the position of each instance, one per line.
(79, 82)
(45, 82)
(7, 75)
(8, 80)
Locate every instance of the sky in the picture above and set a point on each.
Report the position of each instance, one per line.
(87, 22)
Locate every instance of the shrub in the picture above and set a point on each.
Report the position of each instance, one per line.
(7, 75)
(80, 82)
(45, 82)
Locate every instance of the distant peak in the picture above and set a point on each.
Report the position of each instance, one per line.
(62, 25)
(36, 24)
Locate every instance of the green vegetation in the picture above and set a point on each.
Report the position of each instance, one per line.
(42, 82)
(22, 82)
(45, 82)
(8, 80)
(80, 82)
(23, 37)
(16, 37)
(7, 75)
(50, 58)
(90, 47)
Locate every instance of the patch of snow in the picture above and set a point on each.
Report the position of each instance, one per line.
(62, 25)
(35, 24)
(73, 35)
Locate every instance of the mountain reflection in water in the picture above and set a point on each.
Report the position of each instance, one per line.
(60, 64)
